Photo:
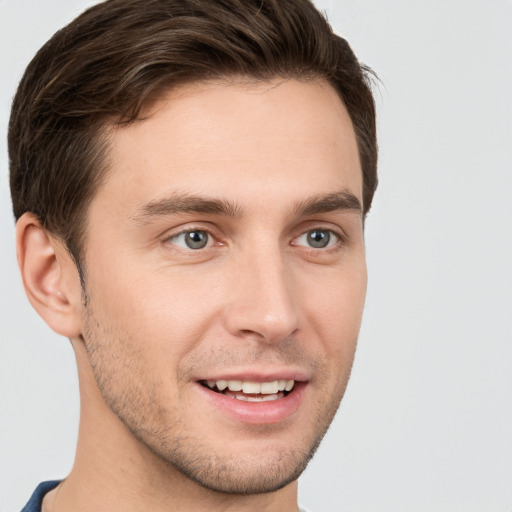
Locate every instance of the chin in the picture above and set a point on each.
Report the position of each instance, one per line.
(252, 466)
(255, 474)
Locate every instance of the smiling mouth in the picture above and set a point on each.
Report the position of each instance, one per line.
(250, 391)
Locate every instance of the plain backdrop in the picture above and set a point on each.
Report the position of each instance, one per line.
(426, 424)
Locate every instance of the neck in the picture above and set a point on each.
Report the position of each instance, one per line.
(114, 470)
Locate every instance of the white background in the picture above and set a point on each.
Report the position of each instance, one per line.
(426, 424)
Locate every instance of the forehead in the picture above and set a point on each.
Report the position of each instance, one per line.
(268, 140)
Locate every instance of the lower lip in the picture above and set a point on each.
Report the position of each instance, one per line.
(257, 413)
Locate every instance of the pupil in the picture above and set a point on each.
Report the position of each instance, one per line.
(318, 239)
(196, 239)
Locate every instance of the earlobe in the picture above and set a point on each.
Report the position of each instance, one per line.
(49, 276)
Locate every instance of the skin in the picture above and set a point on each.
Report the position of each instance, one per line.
(257, 300)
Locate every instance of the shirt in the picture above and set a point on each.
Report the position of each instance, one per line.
(36, 500)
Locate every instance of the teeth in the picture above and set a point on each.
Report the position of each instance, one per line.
(252, 388)
(270, 388)
(235, 385)
(222, 385)
(264, 398)
(289, 385)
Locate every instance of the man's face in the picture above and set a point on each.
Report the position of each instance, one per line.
(225, 250)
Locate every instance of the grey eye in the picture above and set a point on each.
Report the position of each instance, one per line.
(318, 238)
(193, 239)
(196, 239)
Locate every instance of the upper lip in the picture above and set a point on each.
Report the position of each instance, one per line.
(256, 376)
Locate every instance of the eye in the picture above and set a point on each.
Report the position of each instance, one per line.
(318, 239)
(192, 239)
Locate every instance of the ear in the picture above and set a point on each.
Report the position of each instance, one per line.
(50, 276)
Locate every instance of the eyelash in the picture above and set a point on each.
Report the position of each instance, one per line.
(331, 244)
(188, 231)
(334, 239)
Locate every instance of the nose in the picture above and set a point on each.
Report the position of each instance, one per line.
(261, 302)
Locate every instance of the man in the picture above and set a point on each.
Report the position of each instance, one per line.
(190, 180)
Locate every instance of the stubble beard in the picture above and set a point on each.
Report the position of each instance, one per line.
(129, 392)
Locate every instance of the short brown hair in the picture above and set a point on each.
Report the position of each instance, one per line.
(110, 61)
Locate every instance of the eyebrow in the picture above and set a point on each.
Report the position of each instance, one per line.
(187, 203)
(342, 200)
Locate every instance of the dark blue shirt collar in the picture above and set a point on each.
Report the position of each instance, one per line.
(35, 501)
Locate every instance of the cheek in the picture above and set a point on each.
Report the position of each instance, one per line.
(164, 312)
(335, 310)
